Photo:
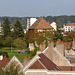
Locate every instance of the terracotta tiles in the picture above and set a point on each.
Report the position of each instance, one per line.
(70, 24)
(4, 61)
(41, 23)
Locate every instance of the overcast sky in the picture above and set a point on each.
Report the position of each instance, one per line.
(36, 8)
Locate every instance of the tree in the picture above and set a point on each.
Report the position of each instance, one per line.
(7, 41)
(20, 43)
(69, 37)
(11, 70)
(18, 30)
(58, 34)
(6, 27)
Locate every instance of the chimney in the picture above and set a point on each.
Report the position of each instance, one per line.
(38, 51)
(1, 57)
(73, 43)
(25, 57)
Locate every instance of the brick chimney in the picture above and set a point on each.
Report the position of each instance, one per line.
(73, 43)
(38, 51)
(25, 57)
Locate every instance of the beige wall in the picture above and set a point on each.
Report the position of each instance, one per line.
(44, 72)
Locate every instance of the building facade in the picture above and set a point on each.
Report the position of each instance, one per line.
(69, 27)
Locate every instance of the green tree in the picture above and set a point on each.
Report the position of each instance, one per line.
(69, 37)
(18, 30)
(20, 43)
(58, 34)
(40, 37)
(7, 41)
(11, 70)
(26, 38)
(6, 27)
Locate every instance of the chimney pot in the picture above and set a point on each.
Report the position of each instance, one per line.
(25, 57)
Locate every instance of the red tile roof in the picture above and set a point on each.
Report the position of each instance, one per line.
(41, 23)
(48, 63)
(4, 61)
(70, 24)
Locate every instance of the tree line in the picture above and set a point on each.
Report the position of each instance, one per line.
(13, 35)
(23, 20)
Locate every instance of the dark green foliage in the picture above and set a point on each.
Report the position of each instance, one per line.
(26, 38)
(33, 53)
(23, 20)
(4, 53)
(58, 34)
(6, 27)
(7, 41)
(69, 37)
(18, 30)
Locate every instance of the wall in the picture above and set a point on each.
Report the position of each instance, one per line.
(45, 72)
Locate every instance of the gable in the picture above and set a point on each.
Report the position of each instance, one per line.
(15, 61)
(36, 65)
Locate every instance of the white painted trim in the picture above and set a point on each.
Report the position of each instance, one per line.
(44, 50)
(14, 57)
(29, 63)
(42, 64)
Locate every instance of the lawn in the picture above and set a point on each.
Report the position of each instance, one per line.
(20, 56)
(14, 51)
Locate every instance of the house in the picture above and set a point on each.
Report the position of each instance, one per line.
(69, 27)
(14, 61)
(53, 24)
(39, 26)
(40, 62)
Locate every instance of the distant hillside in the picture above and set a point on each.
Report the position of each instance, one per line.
(62, 19)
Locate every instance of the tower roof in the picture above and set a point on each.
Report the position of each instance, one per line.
(41, 23)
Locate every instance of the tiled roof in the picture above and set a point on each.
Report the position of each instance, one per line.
(4, 61)
(70, 24)
(41, 23)
(44, 63)
(37, 65)
(48, 63)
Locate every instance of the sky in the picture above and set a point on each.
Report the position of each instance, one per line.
(36, 8)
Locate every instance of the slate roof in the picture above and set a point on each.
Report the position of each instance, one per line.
(41, 23)
(4, 61)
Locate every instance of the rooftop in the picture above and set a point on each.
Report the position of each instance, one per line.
(4, 61)
(70, 24)
(41, 23)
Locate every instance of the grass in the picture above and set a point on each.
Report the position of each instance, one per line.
(20, 56)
